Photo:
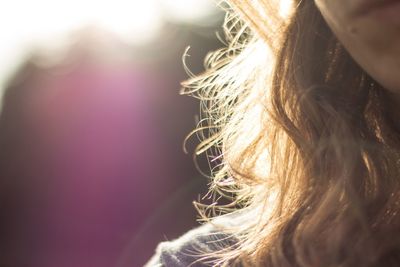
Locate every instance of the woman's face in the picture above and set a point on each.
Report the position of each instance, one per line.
(370, 31)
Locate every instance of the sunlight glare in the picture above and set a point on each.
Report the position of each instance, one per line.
(26, 23)
(188, 10)
(285, 8)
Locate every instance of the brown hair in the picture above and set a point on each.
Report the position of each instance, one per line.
(305, 143)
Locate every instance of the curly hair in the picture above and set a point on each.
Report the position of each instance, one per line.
(302, 141)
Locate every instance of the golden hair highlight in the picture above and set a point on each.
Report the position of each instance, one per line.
(308, 151)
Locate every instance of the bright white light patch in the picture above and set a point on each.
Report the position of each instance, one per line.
(188, 10)
(139, 19)
(285, 8)
(45, 23)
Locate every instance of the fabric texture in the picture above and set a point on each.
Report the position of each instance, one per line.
(191, 248)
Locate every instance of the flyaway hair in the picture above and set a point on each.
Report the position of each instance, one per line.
(304, 143)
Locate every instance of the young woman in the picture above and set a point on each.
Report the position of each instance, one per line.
(303, 111)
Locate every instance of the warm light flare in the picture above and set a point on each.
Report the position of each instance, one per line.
(25, 23)
(286, 7)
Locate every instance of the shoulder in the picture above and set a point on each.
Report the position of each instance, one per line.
(190, 249)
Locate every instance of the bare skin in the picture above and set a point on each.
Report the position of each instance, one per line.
(373, 41)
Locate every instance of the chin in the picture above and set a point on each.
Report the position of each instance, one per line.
(385, 69)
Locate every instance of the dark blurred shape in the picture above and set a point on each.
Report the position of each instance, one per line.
(92, 167)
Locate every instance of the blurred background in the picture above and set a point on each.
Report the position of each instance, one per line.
(92, 168)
